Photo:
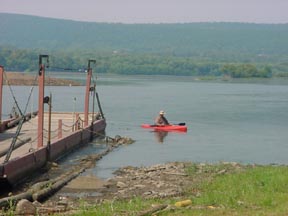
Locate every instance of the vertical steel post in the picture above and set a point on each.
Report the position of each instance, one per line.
(1, 90)
(86, 111)
(93, 105)
(88, 83)
(41, 82)
(49, 121)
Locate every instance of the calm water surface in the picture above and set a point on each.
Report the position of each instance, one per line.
(227, 121)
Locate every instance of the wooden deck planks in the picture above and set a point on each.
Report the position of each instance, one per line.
(29, 130)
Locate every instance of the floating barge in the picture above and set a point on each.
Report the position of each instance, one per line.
(30, 144)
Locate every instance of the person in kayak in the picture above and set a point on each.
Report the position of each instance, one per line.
(160, 120)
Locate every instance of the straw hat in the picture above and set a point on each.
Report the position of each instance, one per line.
(161, 112)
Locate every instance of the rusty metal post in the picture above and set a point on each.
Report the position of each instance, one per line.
(88, 83)
(41, 82)
(1, 90)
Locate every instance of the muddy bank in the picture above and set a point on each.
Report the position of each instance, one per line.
(18, 78)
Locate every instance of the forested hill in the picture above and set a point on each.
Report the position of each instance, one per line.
(181, 49)
(192, 39)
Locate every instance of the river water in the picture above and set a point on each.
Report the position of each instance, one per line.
(242, 121)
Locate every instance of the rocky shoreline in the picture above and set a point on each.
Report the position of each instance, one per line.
(170, 180)
(157, 181)
(21, 78)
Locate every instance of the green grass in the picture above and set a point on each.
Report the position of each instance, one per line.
(125, 207)
(262, 189)
(259, 190)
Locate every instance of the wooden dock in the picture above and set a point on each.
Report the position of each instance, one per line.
(29, 131)
(28, 147)
(67, 132)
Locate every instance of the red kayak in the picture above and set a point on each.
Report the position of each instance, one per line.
(182, 128)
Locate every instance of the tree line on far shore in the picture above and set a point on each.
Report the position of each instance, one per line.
(140, 64)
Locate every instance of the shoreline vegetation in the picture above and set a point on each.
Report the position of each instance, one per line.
(195, 189)
(182, 188)
(150, 64)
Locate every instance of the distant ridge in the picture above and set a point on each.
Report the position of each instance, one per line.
(191, 39)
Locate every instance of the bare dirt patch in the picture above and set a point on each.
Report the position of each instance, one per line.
(85, 183)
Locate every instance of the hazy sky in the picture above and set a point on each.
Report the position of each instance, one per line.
(154, 11)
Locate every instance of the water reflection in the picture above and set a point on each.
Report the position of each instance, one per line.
(160, 136)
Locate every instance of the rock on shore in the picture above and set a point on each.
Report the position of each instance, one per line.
(156, 181)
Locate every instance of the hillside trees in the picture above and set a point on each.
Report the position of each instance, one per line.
(245, 71)
(145, 64)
